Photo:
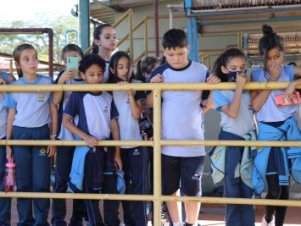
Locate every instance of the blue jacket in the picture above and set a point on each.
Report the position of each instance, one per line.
(243, 169)
(76, 176)
(288, 131)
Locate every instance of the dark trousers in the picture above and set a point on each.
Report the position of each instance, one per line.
(5, 203)
(111, 207)
(135, 166)
(93, 182)
(33, 175)
(239, 215)
(63, 164)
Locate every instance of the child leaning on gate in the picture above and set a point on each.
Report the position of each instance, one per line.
(97, 118)
(237, 123)
(182, 119)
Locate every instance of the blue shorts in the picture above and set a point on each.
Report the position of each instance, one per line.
(184, 173)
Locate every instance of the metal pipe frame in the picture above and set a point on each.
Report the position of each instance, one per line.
(157, 143)
(49, 31)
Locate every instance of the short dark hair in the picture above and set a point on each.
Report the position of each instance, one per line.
(89, 60)
(174, 38)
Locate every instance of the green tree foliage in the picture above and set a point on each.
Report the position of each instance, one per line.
(59, 25)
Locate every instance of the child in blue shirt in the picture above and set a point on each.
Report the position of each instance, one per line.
(97, 119)
(275, 123)
(31, 116)
(237, 124)
(64, 154)
(5, 204)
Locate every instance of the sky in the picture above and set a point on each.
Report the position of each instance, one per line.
(27, 10)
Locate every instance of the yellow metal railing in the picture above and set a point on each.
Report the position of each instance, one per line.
(156, 198)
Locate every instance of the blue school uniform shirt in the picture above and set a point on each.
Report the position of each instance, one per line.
(129, 128)
(3, 110)
(182, 115)
(244, 122)
(32, 109)
(94, 112)
(270, 112)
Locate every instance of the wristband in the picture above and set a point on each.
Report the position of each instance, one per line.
(52, 136)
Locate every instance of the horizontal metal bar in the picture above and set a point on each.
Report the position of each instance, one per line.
(73, 143)
(143, 86)
(259, 20)
(151, 143)
(212, 200)
(244, 10)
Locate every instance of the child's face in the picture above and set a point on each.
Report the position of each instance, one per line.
(274, 56)
(28, 62)
(177, 57)
(235, 64)
(107, 38)
(123, 69)
(70, 54)
(93, 75)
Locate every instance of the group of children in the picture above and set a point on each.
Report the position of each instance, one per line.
(93, 116)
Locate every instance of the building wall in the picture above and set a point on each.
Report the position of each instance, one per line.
(210, 45)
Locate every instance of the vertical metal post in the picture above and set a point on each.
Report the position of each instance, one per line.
(156, 22)
(193, 39)
(146, 36)
(50, 50)
(131, 45)
(157, 156)
(245, 40)
(192, 32)
(84, 23)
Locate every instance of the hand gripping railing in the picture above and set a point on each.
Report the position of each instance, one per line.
(157, 198)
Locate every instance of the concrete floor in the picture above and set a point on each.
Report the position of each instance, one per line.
(209, 216)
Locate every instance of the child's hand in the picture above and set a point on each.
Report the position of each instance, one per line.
(290, 88)
(91, 141)
(51, 150)
(9, 154)
(66, 76)
(274, 69)
(213, 79)
(157, 79)
(118, 162)
(2, 81)
(241, 80)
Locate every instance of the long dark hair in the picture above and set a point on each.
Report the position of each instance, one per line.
(223, 59)
(270, 40)
(97, 32)
(113, 78)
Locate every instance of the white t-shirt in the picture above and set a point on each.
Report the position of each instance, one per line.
(129, 128)
(182, 115)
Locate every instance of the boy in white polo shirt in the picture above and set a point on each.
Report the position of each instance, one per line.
(182, 119)
(97, 119)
